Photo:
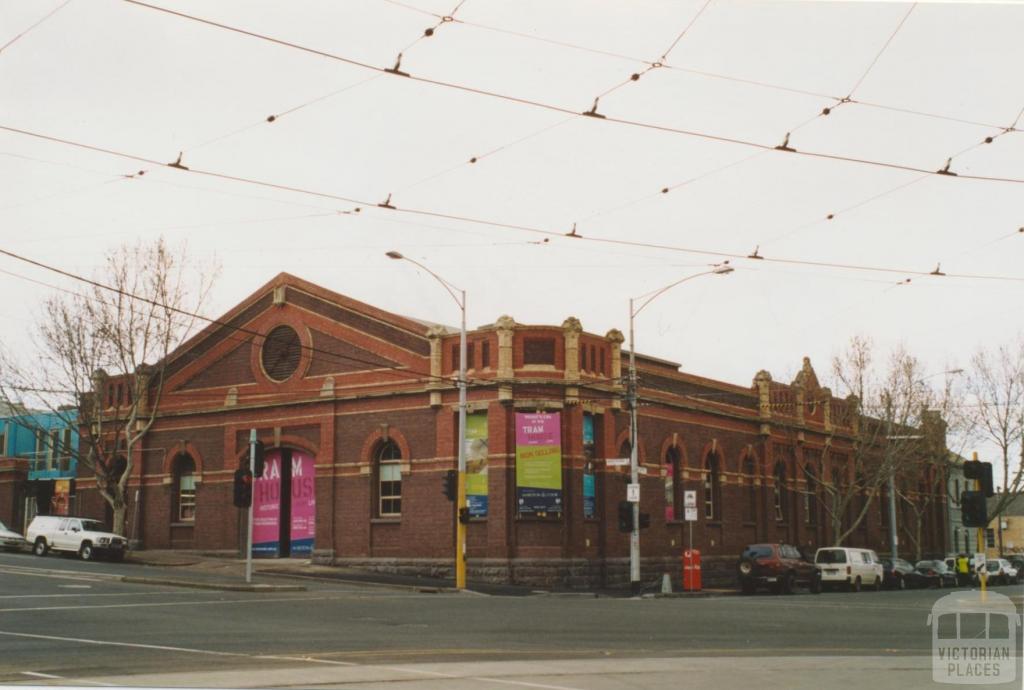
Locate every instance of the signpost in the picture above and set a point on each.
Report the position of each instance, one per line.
(690, 512)
(633, 493)
(248, 540)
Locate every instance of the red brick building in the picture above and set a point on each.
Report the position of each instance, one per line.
(364, 404)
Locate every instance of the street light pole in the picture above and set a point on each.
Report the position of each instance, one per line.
(460, 527)
(634, 466)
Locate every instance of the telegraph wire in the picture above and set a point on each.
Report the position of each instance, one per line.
(360, 204)
(664, 56)
(554, 108)
(377, 367)
(881, 52)
(52, 12)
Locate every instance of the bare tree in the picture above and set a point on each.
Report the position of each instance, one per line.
(995, 405)
(886, 407)
(140, 305)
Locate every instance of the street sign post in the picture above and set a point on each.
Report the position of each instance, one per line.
(690, 512)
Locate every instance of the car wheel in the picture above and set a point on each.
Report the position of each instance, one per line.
(40, 547)
(816, 583)
(788, 583)
(901, 583)
(85, 551)
(878, 584)
(855, 585)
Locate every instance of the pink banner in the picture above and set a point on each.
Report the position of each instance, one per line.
(266, 507)
(541, 429)
(303, 494)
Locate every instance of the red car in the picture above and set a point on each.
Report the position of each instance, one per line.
(780, 567)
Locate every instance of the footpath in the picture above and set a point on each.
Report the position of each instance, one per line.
(208, 571)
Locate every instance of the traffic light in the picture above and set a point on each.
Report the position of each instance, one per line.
(258, 461)
(625, 516)
(982, 471)
(973, 507)
(243, 487)
(450, 488)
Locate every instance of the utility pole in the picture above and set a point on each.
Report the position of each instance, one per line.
(248, 539)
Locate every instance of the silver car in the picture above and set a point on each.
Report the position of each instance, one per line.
(10, 539)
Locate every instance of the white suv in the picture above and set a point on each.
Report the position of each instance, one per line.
(77, 535)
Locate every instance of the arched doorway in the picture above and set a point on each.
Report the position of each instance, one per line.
(284, 505)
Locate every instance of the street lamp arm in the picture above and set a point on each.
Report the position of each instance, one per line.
(651, 296)
(452, 289)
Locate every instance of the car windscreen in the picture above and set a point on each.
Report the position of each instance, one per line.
(831, 556)
(928, 565)
(758, 551)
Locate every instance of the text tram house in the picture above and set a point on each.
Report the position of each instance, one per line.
(358, 410)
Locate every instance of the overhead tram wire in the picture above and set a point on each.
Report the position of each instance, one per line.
(52, 12)
(334, 356)
(697, 72)
(555, 108)
(499, 224)
(631, 79)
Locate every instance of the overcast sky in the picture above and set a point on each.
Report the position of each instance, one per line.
(132, 79)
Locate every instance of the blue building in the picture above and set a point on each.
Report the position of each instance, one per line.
(47, 443)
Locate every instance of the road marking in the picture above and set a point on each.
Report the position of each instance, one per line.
(225, 602)
(151, 593)
(133, 645)
(75, 586)
(307, 659)
(51, 676)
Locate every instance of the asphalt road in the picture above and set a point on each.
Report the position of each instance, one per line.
(64, 622)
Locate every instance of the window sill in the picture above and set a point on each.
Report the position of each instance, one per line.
(397, 520)
(553, 517)
(189, 523)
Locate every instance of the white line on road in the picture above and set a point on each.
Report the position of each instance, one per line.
(225, 602)
(36, 674)
(108, 643)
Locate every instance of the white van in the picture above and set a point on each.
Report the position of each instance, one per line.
(851, 568)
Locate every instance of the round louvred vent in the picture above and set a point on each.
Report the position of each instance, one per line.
(281, 352)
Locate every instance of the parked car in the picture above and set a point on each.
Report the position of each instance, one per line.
(963, 580)
(11, 540)
(851, 568)
(934, 574)
(83, 536)
(781, 567)
(1000, 572)
(895, 573)
(1018, 564)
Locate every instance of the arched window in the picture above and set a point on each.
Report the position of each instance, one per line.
(671, 477)
(388, 464)
(810, 496)
(750, 478)
(780, 492)
(184, 478)
(625, 450)
(712, 488)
